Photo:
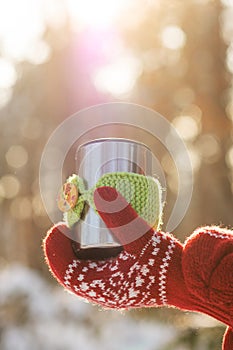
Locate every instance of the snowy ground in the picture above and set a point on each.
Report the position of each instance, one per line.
(36, 316)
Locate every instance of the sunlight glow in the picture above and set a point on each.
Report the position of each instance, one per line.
(94, 13)
(25, 25)
(55, 13)
(227, 3)
(119, 77)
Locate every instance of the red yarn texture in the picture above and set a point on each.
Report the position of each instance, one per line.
(153, 270)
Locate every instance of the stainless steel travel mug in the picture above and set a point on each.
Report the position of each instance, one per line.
(96, 158)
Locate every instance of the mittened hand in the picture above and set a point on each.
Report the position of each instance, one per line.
(146, 272)
(153, 270)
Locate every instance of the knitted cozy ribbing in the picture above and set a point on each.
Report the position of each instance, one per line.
(144, 193)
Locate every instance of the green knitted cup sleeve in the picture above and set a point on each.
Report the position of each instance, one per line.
(73, 215)
(144, 193)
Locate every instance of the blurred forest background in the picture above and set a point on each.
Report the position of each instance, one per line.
(59, 56)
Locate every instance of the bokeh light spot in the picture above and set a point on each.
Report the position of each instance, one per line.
(10, 186)
(173, 37)
(39, 52)
(187, 127)
(16, 156)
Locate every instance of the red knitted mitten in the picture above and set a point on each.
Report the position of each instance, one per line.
(147, 272)
(153, 270)
(208, 271)
(228, 339)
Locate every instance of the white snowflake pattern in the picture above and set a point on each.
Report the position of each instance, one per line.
(156, 239)
(133, 293)
(84, 286)
(114, 268)
(92, 293)
(151, 262)
(155, 251)
(80, 277)
(139, 281)
(92, 265)
(144, 270)
(71, 270)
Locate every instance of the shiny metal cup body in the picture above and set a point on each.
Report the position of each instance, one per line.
(93, 160)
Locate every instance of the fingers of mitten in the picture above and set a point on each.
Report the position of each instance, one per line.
(208, 264)
(123, 221)
(58, 250)
(222, 281)
(228, 339)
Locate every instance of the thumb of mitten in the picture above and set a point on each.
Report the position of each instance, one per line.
(127, 227)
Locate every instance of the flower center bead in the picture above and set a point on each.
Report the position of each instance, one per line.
(67, 197)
